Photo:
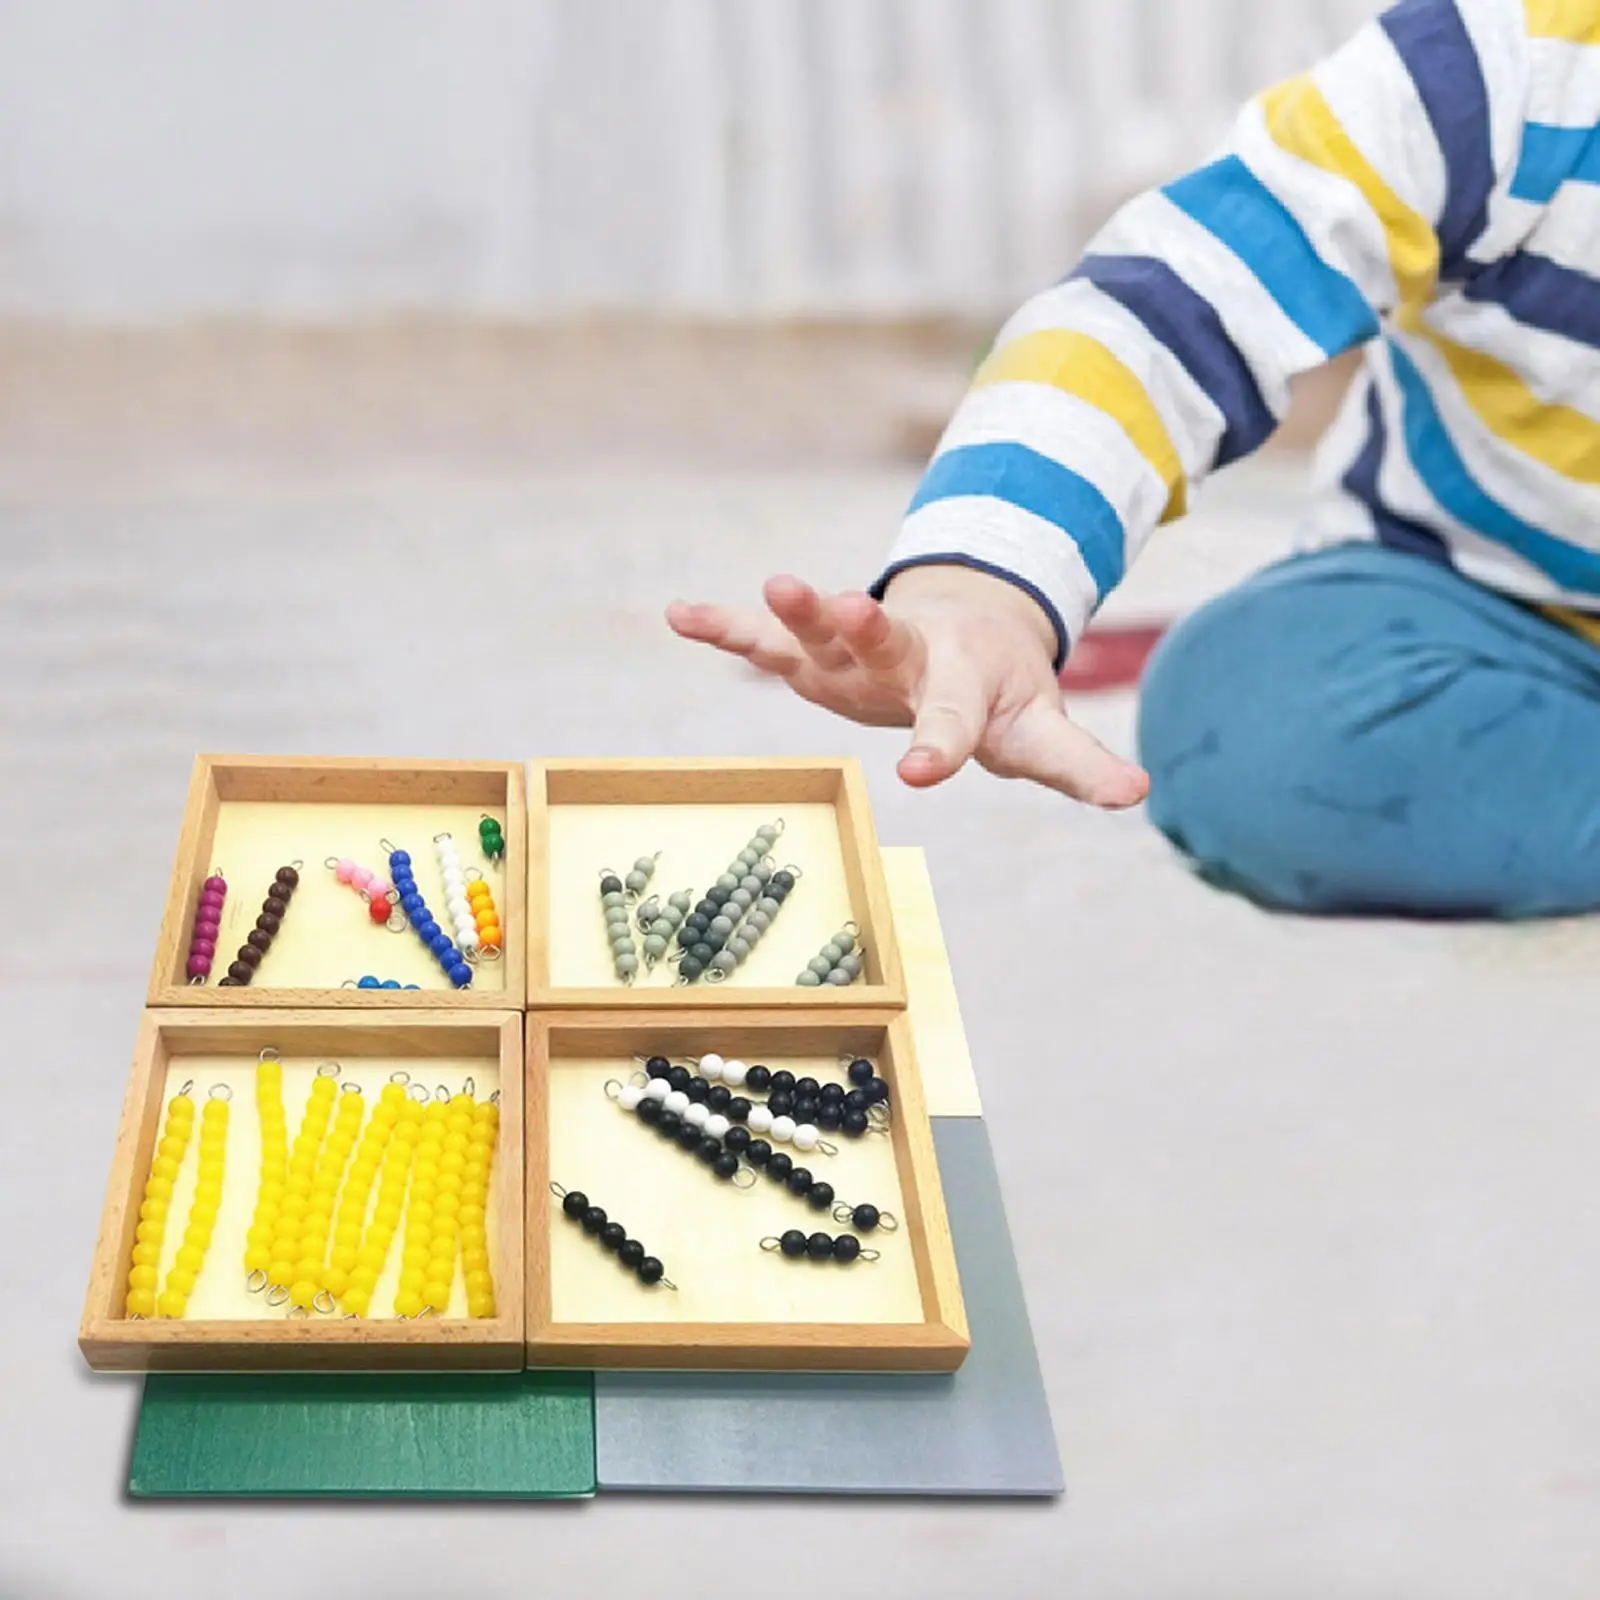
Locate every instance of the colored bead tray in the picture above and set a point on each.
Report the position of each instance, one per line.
(585, 816)
(226, 1326)
(247, 816)
(736, 1305)
(564, 822)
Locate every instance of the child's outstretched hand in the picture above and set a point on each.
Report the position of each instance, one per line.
(962, 659)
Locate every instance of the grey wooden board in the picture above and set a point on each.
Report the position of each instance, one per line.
(984, 1430)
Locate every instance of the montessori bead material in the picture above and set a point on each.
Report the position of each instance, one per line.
(784, 1129)
(865, 1218)
(203, 1208)
(296, 1222)
(273, 910)
(826, 1106)
(450, 1123)
(360, 1246)
(369, 982)
(756, 921)
(355, 1263)
(639, 876)
(659, 923)
(375, 890)
(457, 906)
(491, 839)
(838, 963)
(728, 912)
(798, 1246)
(207, 927)
(317, 1162)
(717, 1070)
(274, 1171)
(476, 1172)
(439, 943)
(426, 1237)
(485, 916)
(176, 1131)
(323, 1213)
(611, 1236)
(619, 929)
(688, 1122)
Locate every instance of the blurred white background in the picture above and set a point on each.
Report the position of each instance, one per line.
(531, 159)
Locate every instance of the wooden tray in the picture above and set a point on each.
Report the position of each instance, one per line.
(249, 815)
(588, 816)
(736, 1305)
(227, 1326)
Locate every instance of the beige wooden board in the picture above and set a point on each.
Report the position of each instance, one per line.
(221, 1291)
(697, 844)
(943, 1059)
(327, 936)
(707, 1233)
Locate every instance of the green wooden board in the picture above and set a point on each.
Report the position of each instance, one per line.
(468, 1436)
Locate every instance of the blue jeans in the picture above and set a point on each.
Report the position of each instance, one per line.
(1364, 731)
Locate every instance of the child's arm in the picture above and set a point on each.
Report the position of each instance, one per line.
(1342, 196)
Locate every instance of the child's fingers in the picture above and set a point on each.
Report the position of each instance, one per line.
(887, 647)
(1041, 743)
(949, 723)
(801, 610)
(749, 636)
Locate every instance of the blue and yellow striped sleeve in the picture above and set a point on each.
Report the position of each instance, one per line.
(1343, 196)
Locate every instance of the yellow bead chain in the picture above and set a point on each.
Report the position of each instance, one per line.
(393, 1178)
(165, 1165)
(282, 1270)
(307, 1289)
(203, 1208)
(444, 1239)
(475, 1175)
(356, 1262)
(416, 1253)
(270, 1190)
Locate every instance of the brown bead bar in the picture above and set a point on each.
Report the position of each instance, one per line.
(259, 941)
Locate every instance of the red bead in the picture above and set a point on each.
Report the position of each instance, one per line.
(216, 885)
(204, 947)
(199, 966)
(207, 930)
(378, 909)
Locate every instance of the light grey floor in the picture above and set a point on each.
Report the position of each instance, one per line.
(1304, 1212)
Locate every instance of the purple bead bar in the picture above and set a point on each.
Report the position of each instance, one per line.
(207, 925)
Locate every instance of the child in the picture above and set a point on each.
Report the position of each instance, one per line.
(1403, 717)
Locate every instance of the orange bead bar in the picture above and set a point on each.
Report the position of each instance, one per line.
(481, 900)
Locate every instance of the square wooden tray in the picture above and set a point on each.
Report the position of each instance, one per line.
(248, 815)
(230, 1327)
(736, 1305)
(586, 817)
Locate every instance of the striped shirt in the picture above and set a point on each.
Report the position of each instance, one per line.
(1430, 195)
